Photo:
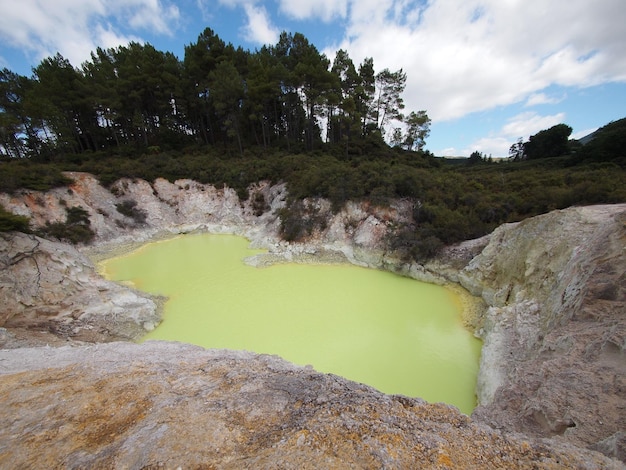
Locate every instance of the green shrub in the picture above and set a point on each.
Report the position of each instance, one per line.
(129, 209)
(10, 222)
(426, 248)
(70, 233)
(298, 221)
(76, 228)
(415, 244)
(259, 204)
(77, 216)
(24, 174)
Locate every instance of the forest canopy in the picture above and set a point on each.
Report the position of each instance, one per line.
(288, 96)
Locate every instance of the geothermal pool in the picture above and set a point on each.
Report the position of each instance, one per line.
(396, 334)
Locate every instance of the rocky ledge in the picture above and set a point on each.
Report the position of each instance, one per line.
(169, 405)
(51, 292)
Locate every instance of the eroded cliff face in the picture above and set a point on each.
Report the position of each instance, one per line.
(176, 207)
(357, 232)
(553, 289)
(554, 353)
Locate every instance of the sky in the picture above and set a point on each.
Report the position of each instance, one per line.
(487, 72)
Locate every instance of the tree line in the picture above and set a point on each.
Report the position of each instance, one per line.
(288, 95)
(607, 144)
(453, 200)
(548, 143)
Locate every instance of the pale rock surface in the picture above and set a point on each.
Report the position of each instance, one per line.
(51, 289)
(169, 405)
(554, 336)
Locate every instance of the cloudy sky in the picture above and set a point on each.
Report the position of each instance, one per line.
(487, 71)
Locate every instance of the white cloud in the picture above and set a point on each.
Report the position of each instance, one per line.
(232, 3)
(259, 28)
(541, 98)
(326, 10)
(449, 152)
(526, 124)
(497, 147)
(151, 15)
(76, 27)
(106, 37)
(467, 56)
(520, 126)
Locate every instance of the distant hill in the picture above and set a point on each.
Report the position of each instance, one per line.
(606, 144)
(588, 138)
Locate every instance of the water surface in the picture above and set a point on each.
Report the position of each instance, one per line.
(393, 333)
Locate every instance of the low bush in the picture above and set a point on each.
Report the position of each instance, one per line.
(129, 209)
(76, 228)
(298, 221)
(10, 222)
(259, 204)
(24, 174)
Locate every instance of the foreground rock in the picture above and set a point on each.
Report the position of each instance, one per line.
(554, 354)
(167, 405)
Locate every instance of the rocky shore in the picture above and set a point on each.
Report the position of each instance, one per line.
(549, 304)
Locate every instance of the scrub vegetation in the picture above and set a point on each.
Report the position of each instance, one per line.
(75, 229)
(283, 113)
(129, 209)
(12, 223)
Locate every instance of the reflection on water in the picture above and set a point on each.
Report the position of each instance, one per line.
(393, 333)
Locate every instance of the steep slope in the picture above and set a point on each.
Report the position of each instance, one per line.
(554, 354)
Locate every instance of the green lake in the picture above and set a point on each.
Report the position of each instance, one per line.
(396, 334)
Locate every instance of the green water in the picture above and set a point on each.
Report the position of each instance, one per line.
(393, 333)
